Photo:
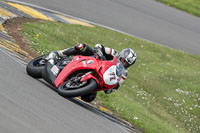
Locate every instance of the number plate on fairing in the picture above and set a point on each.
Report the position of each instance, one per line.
(110, 77)
(55, 70)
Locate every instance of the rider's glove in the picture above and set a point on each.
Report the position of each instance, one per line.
(97, 46)
(99, 51)
(99, 54)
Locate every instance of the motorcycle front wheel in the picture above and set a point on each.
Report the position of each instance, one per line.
(68, 89)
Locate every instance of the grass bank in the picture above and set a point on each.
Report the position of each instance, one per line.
(162, 92)
(189, 6)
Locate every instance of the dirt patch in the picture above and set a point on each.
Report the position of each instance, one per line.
(13, 29)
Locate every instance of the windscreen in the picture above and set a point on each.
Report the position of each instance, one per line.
(120, 68)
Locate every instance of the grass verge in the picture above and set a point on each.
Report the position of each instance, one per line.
(189, 6)
(161, 94)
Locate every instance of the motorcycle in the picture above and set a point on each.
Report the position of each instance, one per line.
(80, 75)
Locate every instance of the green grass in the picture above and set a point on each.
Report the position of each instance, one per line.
(189, 6)
(162, 92)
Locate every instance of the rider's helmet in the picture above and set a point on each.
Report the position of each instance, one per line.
(127, 57)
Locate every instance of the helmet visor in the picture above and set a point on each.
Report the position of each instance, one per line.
(124, 62)
(130, 58)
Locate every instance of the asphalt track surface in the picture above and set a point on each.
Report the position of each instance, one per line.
(146, 19)
(31, 106)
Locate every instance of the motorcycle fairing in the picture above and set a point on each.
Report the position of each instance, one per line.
(110, 77)
(77, 63)
(85, 62)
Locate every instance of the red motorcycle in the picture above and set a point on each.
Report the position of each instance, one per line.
(80, 75)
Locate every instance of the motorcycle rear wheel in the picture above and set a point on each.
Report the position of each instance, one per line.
(35, 68)
(83, 90)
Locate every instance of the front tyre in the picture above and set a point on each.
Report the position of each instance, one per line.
(36, 66)
(83, 89)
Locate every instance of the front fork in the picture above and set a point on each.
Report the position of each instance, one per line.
(88, 76)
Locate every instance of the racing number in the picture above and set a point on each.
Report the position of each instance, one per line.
(112, 77)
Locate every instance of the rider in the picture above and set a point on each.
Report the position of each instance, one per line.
(127, 57)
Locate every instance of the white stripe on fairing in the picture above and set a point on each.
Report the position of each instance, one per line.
(84, 64)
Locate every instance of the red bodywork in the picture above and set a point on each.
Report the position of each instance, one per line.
(90, 63)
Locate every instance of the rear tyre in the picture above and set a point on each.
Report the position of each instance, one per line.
(84, 88)
(36, 66)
